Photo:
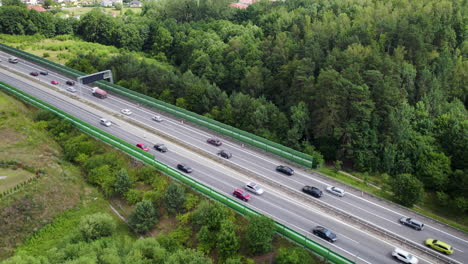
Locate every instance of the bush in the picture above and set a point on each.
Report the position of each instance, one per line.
(144, 217)
(294, 255)
(96, 226)
(46, 55)
(174, 198)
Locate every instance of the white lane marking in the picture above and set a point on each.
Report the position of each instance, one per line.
(26, 63)
(308, 220)
(261, 174)
(327, 216)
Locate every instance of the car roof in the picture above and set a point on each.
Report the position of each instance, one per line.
(438, 242)
(401, 251)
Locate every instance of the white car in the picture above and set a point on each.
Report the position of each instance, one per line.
(105, 122)
(404, 256)
(253, 187)
(71, 89)
(336, 191)
(126, 111)
(157, 118)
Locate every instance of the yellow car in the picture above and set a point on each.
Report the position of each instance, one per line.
(439, 246)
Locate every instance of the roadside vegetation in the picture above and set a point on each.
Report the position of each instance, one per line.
(373, 87)
(65, 215)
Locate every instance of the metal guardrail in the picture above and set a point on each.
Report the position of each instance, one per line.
(246, 137)
(148, 158)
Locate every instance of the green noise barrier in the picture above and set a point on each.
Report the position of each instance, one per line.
(148, 158)
(240, 135)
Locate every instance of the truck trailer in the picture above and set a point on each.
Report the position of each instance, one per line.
(99, 93)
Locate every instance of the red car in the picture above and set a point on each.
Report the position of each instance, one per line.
(34, 73)
(54, 82)
(214, 141)
(142, 146)
(241, 194)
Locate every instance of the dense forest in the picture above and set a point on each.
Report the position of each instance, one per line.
(378, 85)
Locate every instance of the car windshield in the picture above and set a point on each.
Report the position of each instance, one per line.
(256, 187)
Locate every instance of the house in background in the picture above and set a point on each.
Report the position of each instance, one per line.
(107, 3)
(37, 8)
(29, 2)
(239, 5)
(135, 4)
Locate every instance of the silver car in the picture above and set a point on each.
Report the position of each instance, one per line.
(253, 187)
(71, 89)
(404, 256)
(157, 118)
(105, 122)
(336, 191)
(126, 111)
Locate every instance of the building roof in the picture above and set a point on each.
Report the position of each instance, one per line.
(37, 8)
(239, 5)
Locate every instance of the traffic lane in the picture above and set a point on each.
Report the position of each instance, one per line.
(86, 114)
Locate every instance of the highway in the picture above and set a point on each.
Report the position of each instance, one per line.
(285, 204)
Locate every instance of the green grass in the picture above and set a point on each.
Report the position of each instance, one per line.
(13, 177)
(53, 234)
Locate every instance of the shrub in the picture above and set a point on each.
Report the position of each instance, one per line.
(96, 226)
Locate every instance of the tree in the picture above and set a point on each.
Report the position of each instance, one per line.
(295, 255)
(97, 225)
(407, 189)
(150, 250)
(260, 231)
(209, 214)
(144, 217)
(122, 182)
(227, 240)
(187, 256)
(174, 198)
(13, 3)
(47, 4)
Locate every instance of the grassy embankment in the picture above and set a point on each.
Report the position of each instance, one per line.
(57, 200)
(44, 213)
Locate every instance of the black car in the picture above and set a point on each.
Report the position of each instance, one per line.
(71, 83)
(184, 168)
(34, 73)
(44, 72)
(285, 170)
(160, 147)
(324, 233)
(214, 141)
(314, 191)
(225, 154)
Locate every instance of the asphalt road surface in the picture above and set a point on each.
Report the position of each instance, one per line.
(286, 204)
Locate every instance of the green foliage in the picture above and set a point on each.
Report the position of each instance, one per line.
(174, 198)
(122, 182)
(95, 226)
(144, 217)
(149, 250)
(209, 214)
(295, 255)
(133, 196)
(227, 242)
(259, 234)
(407, 189)
(187, 256)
